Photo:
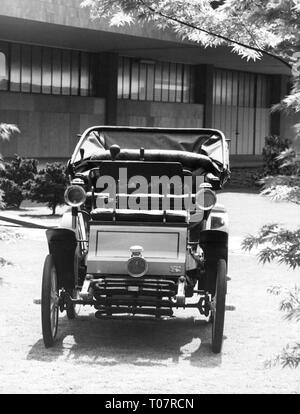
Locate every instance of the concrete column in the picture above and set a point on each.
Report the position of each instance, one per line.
(279, 88)
(204, 77)
(106, 84)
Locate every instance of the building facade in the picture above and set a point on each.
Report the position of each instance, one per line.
(61, 72)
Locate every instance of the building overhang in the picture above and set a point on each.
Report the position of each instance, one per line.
(143, 42)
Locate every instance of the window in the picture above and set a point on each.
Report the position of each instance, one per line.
(36, 80)
(47, 71)
(155, 81)
(15, 68)
(3, 72)
(243, 89)
(25, 68)
(37, 69)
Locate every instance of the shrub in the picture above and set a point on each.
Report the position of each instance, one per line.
(19, 170)
(48, 186)
(12, 178)
(2, 204)
(13, 195)
(274, 146)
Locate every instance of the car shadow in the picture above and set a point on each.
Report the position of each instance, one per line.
(41, 216)
(146, 342)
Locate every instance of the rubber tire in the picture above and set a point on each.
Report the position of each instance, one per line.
(49, 330)
(218, 316)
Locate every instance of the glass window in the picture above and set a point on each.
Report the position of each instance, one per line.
(179, 71)
(3, 71)
(158, 82)
(66, 72)
(26, 68)
(155, 81)
(56, 71)
(172, 84)
(150, 83)
(165, 82)
(142, 82)
(36, 69)
(46, 71)
(186, 84)
(134, 92)
(75, 73)
(93, 73)
(121, 78)
(15, 68)
(84, 75)
(126, 79)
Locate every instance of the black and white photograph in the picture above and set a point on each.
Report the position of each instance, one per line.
(150, 200)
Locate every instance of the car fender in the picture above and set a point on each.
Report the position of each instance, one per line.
(218, 219)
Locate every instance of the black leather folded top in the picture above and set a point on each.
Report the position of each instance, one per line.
(188, 159)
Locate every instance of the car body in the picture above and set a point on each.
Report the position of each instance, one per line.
(144, 230)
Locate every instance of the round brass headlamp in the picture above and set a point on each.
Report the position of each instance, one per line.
(75, 196)
(205, 199)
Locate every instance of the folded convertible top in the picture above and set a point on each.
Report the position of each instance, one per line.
(189, 160)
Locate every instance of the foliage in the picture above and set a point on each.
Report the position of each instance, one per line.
(13, 195)
(274, 146)
(6, 130)
(285, 187)
(13, 177)
(282, 246)
(2, 204)
(48, 186)
(19, 170)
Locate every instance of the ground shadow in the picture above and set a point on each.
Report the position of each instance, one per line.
(131, 341)
(41, 216)
(242, 190)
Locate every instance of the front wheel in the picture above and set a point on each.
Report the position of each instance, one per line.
(49, 302)
(218, 307)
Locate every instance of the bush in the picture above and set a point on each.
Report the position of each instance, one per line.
(13, 177)
(2, 204)
(274, 146)
(13, 195)
(19, 170)
(48, 186)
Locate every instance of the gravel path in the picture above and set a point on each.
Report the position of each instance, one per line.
(134, 356)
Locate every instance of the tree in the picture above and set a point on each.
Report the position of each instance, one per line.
(48, 186)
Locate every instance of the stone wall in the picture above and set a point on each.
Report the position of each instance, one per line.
(48, 124)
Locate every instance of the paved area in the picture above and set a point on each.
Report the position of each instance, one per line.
(134, 356)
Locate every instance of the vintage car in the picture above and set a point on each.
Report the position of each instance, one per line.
(143, 234)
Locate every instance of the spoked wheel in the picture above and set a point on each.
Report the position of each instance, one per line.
(218, 307)
(50, 302)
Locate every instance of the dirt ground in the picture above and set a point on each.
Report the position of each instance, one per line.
(143, 356)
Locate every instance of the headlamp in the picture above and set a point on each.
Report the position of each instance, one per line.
(206, 199)
(75, 196)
